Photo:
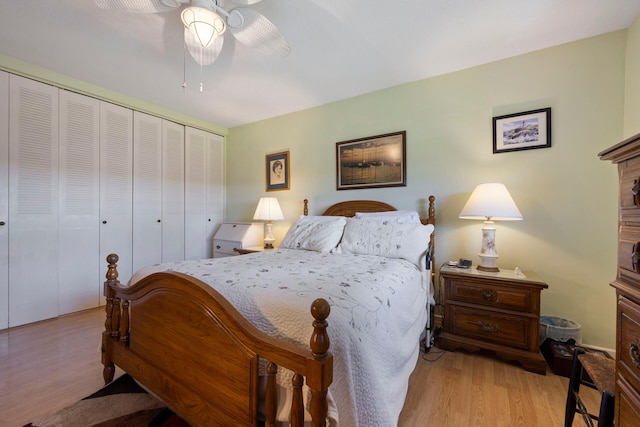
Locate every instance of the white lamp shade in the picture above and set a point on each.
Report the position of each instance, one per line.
(203, 23)
(268, 209)
(491, 201)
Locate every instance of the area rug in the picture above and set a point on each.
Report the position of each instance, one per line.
(121, 403)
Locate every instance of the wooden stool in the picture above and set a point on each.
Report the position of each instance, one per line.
(601, 370)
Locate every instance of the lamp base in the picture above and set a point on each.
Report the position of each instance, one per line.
(268, 245)
(492, 269)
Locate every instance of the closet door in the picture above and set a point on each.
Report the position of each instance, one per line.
(147, 190)
(4, 200)
(203, 191)
(116, 187)
(33, 201)
(215, 188)
(195, 194)
(79, 231)
(172, 191)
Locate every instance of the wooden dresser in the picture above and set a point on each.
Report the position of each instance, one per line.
(626, 155)
(499, 312)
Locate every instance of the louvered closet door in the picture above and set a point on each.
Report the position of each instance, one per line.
(172, 191)
(203, 191)
(215, 187)
(197, 221)
(4, 200)
(116, 187)
(33, 201)
(147, 190)
(79, 232)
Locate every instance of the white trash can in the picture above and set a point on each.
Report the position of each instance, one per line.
(559, 329)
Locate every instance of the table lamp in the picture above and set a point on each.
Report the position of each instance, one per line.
(490, 202)
(268, 210)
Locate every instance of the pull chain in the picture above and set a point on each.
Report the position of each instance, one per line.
(184, 67)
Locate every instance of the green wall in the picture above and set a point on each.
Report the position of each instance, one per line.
(632, 81)
(566, 194)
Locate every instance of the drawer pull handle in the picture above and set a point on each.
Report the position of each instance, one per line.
(634, 353)
(635, 257)
(636, 187)
(488, 328)
(488, 295)
(218, 246)
(635, 190)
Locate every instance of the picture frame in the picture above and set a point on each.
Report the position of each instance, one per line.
(522, 131)
(372, 162)
(277, 171)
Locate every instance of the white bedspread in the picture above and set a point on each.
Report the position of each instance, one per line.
(377, 315)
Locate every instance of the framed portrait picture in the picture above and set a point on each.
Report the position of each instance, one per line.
(277, 168)
(522, 131)
(372, 162)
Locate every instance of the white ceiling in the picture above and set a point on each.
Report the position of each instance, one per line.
(339, 48)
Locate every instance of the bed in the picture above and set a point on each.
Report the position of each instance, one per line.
(245, 340)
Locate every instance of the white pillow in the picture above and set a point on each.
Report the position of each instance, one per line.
(320, 234)
(388, 239)
(397, 216)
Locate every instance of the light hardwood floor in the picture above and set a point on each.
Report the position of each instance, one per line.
(49, 365)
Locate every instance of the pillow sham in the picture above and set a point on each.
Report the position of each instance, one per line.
(389, 239)
(397, 216)
(320, 234)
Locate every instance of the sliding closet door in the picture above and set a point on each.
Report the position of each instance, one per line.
(4, 200)
(172, 191)
(147, 190)
(79, 233)
(116, 187)
(33, 201)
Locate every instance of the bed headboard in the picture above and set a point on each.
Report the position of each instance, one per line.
(350, 207)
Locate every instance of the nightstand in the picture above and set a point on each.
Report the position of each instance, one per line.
(499, 312)
(236, 235)
(253, 249)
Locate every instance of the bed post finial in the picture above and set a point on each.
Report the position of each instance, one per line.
(320, 310)
(111, 311)
(319, 385)
(306, 207)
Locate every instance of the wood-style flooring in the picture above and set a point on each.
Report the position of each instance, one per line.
(48, 365)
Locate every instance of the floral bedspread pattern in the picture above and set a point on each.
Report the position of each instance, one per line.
(377, 315)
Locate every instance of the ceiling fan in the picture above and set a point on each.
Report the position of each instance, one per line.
(205, 22)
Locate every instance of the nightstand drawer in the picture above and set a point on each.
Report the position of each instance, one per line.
(225, 247)
(489, 326)
(490, 294)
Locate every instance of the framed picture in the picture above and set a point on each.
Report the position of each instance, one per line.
(372, 162)
(277, 168)
(522, 131)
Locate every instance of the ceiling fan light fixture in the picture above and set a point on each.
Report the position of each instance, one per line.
(203, 23)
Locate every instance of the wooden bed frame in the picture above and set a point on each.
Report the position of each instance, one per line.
(188, 345)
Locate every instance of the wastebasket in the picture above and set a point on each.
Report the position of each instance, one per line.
(559, 329)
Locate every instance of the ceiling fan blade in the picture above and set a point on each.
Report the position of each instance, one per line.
(202, 55)
(135, 6)
(254, 30)
(246, 1)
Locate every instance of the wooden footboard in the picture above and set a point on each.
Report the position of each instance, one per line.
(187, 344)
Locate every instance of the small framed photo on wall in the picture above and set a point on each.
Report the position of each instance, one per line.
(277, 168)
(522, 131)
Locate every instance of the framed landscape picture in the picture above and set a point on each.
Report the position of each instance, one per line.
(522, 131)
(372, 162)
(277, 168)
